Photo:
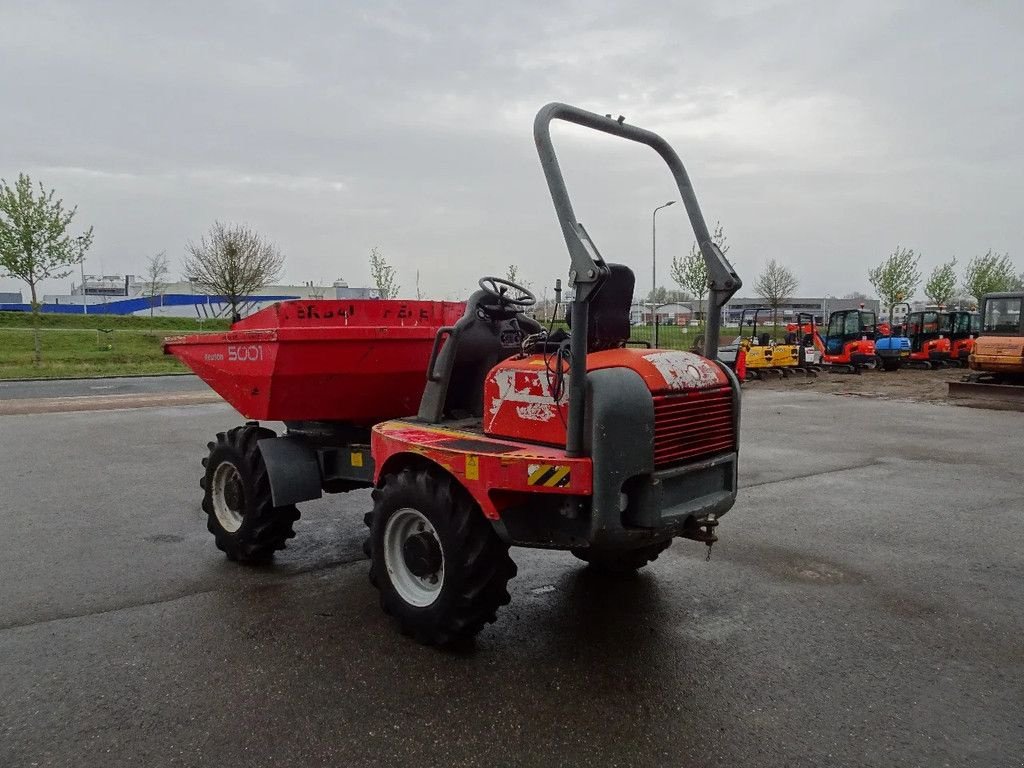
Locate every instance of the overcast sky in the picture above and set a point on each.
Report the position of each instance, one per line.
(821, 134)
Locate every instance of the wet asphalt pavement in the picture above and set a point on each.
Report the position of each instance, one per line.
(126, 385)
(864, 607)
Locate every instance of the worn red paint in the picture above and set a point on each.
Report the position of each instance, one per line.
(493, 475)
(358, 361)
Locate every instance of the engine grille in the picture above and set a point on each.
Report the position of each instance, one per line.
(692, 425)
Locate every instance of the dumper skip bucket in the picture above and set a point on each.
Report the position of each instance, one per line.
(356, 361)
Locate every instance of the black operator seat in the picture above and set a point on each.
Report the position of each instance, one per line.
(608, 314)
(487, 333)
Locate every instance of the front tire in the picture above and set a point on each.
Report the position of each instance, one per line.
(237, 501)
(440, 568)
(621, 561)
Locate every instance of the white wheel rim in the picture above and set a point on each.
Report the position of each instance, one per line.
(415, 590)
(227, 496)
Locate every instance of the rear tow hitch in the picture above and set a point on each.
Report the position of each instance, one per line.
(702, 530)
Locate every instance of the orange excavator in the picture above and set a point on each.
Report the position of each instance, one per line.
(997, 360)
(964, 328)
(849, 342)
(928, 331)
(999, 349)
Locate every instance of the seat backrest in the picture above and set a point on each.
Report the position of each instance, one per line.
(609, 310)
(455, 385)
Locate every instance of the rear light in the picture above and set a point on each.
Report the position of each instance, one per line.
(693, 425)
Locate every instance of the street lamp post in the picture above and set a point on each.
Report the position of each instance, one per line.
(654, 248)
(654, 263)
(79, 241)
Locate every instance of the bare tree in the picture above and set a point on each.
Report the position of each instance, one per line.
(34, 241)
(776, 286)
(232, 261)
(383, 274)
(157, 269)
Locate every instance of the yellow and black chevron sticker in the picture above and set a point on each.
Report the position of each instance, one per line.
(548, 475)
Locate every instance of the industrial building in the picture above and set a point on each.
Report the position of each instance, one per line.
(674, 313)
(129, 295)
(820, 307)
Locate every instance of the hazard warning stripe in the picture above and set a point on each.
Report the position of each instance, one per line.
(549, 475)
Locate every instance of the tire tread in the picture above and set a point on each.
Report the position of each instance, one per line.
(267, 528)
(480, 557)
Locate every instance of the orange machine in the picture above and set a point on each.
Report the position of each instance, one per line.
(573, 441)
(999, 349)
(964, 328)
(849, 342)
(928, 332)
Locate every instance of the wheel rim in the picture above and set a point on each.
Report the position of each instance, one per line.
(409, 527)
(228, 496)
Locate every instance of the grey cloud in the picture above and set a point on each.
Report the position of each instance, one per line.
(820, 134)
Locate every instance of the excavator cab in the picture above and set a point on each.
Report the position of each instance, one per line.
(849, 342)
(964, 327)
(928, 332)
(891, 345)
(999, 348)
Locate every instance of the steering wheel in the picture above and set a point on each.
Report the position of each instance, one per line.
(498, 288)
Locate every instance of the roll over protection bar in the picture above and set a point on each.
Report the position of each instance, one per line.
(588, 270)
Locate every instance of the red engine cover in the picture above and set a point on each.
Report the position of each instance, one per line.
(518, 401)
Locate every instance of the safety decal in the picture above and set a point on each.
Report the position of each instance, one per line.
(548, 475)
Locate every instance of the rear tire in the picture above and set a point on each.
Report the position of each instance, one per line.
(890, 365)
(621, 561)
(440, 568)
(237, 501)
